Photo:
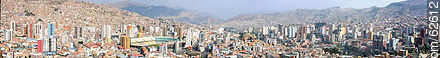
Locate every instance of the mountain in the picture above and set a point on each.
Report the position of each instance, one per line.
(164, 12)
(334, 14)
(194, 18)
(153, 11)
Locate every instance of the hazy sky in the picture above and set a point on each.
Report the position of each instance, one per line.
(225, 9)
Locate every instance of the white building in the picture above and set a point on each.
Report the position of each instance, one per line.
(13, 25)
(106, 31)
(292, 31)
(9, 35)
(50, 44)
(265, 30)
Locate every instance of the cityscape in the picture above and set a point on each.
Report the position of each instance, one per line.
(84, 29)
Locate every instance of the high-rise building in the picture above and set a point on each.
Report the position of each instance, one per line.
(356, 32)
(343, 30)
(370, 35)
(302, 31)
(29, 30)
(13, 26)
(331, 32)
(265, 30)
(188, 39)
(53, 44)
(291, 31)
(272, 31)
(9, 35)
(177, 48)
(324, 30)
(130, 31)
(288, 31)
(280, 29)
(179, 32)
(163, 31)
(378, 42)
(195, 36)
(309, 29)
(106, 31)
(141, 32)
(135, 30)
(38, 31)
(40, 46)
(122, 28)
(50, 44)
(125, 42)
(51, 29)
(202, 37)
(78, 32)
(46, 44)
(285, 31)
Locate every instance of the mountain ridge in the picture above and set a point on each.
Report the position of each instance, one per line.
(165, 12)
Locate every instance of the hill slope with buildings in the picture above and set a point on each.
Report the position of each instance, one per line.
(336, 14)
(75, 13)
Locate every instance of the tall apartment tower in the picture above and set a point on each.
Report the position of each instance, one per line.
(29, 30)
(106, 31)
(331, 30)
(370, 35)
(53, 44)
(13, 26)
(125, 42)
(280, 29)
(9, 35)
(179, 31)
(140, 32)
(78, 32)
(50, 44)
(130, 31)
(265, 30)
(38, 31)
(51, 29)
(40, 46)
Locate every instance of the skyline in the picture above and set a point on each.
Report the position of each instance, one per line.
(80, 29)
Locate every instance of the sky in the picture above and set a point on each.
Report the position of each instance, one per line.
(225, 9)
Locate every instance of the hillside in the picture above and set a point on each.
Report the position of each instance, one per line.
(335, 14)
(75, 13)
(169, 13)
